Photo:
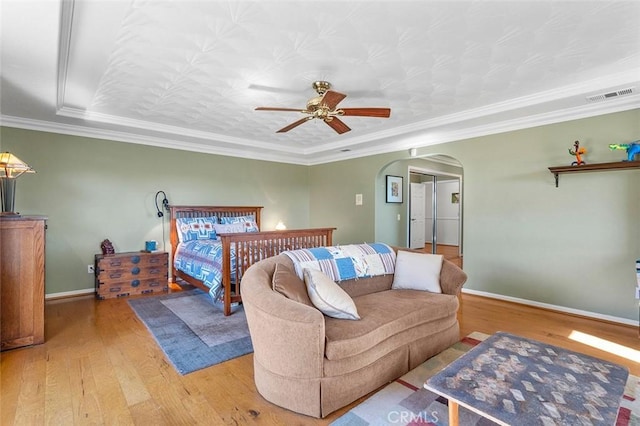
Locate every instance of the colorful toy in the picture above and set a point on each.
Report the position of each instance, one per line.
(632, 148)
(578, 152)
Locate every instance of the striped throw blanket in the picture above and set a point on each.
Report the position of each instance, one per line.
(346, 262)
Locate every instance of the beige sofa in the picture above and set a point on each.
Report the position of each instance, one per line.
(313, 364)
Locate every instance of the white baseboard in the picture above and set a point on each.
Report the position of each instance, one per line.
(580, 312)
(552, 307)
(73, 293)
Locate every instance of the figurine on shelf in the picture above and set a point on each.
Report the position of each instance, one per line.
(107, 247)
(578, 152)
(632, 148)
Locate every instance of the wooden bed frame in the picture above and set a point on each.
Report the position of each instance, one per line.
(250, 246)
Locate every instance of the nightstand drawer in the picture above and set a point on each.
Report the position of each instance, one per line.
(131, 272)
(130, 260)
(112, 289)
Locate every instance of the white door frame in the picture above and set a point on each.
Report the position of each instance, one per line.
(427, 171)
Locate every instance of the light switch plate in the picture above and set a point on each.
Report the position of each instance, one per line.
(358, 199)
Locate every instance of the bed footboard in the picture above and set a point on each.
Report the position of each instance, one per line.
(251, 247)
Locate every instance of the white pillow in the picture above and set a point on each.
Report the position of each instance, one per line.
(417, 271)
(328, 296)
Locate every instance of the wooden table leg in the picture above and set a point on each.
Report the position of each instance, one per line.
(453, 413)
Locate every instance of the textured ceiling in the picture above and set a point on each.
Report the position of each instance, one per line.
(188, 74)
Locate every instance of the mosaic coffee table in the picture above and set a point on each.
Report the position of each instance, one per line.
(516, 381)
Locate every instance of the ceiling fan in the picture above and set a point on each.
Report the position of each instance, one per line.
(324, 106)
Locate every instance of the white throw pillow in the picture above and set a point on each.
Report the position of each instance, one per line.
(417, 271)
(328, 296)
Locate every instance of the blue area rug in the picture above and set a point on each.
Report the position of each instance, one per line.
(193, 332)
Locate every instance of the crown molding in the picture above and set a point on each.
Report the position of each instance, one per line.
(117, 136)
(624, 78)
(425, 138)
(174, 130)
(66, 23)
(267, 152)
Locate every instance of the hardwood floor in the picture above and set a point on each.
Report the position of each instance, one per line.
(100, 365)
(451, 253)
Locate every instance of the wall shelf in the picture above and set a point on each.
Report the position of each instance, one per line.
(617, 165)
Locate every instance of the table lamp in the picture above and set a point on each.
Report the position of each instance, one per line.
(11, 167)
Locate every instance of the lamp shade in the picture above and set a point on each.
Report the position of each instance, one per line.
(11, 166)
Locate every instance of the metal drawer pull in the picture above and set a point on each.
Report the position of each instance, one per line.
(154, 284)
(154, 271)
(135, 270)
(135, 259)
(114, 289)
(115, 263)
(135, 283)
(115, 275)
(155, 260)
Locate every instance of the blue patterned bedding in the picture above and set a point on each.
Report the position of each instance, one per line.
(346, 262)
(202, 260)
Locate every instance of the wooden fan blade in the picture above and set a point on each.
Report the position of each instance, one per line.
(331, 98)
(338, 125)
(294, 125)
(278, 109)
(367, 112)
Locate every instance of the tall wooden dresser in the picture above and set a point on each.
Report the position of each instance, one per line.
(22, 245)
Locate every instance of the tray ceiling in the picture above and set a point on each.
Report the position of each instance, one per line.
(188, 74)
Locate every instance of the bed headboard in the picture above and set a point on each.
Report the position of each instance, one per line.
(204, 211)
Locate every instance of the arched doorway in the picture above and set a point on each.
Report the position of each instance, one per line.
(434, 182)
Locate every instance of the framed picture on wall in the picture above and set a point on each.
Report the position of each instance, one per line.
(394, 189)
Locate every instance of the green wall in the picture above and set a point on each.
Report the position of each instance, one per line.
(94, 189)
(572, 246)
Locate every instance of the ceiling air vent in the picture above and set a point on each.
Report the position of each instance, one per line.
(611, 95)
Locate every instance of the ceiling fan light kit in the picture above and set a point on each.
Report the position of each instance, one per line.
(324, 107)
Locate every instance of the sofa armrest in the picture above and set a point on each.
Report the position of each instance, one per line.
(452, 278)
(288, 337)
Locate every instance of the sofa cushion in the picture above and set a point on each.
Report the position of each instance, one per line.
(430, 332)
(418, 271)
(359, 286)
(328, 297)
(384, 315)
(287, 283)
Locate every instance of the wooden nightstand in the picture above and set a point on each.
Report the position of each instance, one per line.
(131, 273)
